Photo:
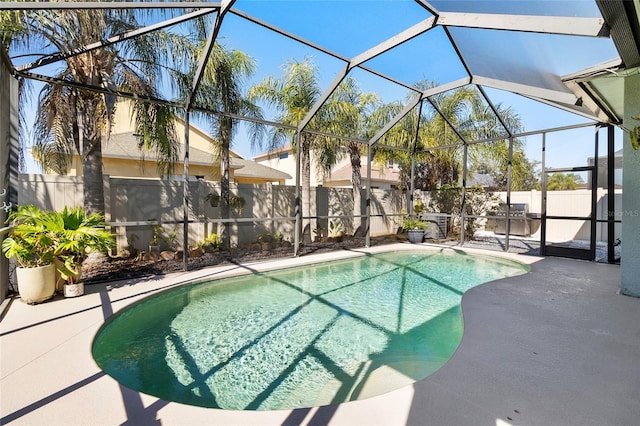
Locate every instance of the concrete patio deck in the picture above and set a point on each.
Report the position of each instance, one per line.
(556, 346)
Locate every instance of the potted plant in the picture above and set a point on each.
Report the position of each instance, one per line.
(213, 198)
(211, 244)
(237, 204)
(415, 228)
(76, 235)
(31, 244)
(154, 243)
(336, 231)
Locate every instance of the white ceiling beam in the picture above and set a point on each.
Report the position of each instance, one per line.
(526, 90)
(575, 26)
(394, 41)
(574, 109)
(446, 87)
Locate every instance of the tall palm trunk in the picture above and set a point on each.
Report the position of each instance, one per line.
(305, 159)
(225, 192)
(356, 181)
(91, 153)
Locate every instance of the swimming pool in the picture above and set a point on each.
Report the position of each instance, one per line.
(300, 337)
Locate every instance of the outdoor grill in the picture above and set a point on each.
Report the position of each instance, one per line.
(520, 222)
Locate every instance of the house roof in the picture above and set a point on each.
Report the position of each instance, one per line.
(125, 146)
(387, 175)
(274, 152)
(251, 169)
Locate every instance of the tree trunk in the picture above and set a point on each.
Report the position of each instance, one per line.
(91, 154)
(305, 167)
(225, 193)
(356, 181)
(404, 189)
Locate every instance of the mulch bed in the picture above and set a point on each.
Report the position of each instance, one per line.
(103, 269)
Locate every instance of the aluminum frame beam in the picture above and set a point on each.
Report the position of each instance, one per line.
(213, 35)
(574, 109)
(398, 39)
(573, 26)
(495, 111)
(624, 17)
(526, 90)
(40, 5)
(49, 59)
(446, 87)
(104, 90)
(287, 34)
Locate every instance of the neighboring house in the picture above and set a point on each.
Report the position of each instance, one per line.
(284, 159)
(121, 156)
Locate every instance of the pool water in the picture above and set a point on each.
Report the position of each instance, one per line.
(302, 337)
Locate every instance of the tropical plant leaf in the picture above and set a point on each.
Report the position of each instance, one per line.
(634, 135)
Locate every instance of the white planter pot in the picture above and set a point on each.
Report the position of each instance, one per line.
(36, 284)
(73, 290)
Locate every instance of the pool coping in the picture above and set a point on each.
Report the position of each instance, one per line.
(49, 377)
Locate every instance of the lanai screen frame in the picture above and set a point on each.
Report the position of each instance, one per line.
(589, 27)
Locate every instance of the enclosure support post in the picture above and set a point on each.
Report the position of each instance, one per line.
(9, 157)
(611, 195)
(412, 186)
(298, 210)
(629, 268)
(594, 196)
(507, 235)
(367, 242)
(543, 207)
(463, 200)
(185, 199)
(413, 162)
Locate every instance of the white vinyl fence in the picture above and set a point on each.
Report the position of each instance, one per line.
(133, 204)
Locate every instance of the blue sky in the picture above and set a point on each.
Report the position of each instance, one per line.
(351, 27)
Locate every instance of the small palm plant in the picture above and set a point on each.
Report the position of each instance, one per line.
(31, 244)
(30, 241)
(335, 229)
(76, 235)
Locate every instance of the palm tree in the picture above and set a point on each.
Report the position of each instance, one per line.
(563, 181)
(494, 156)
(351, 113)
(221, 90)
(456, 112)
(294, 95)
(398, 145)
(75, 119)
